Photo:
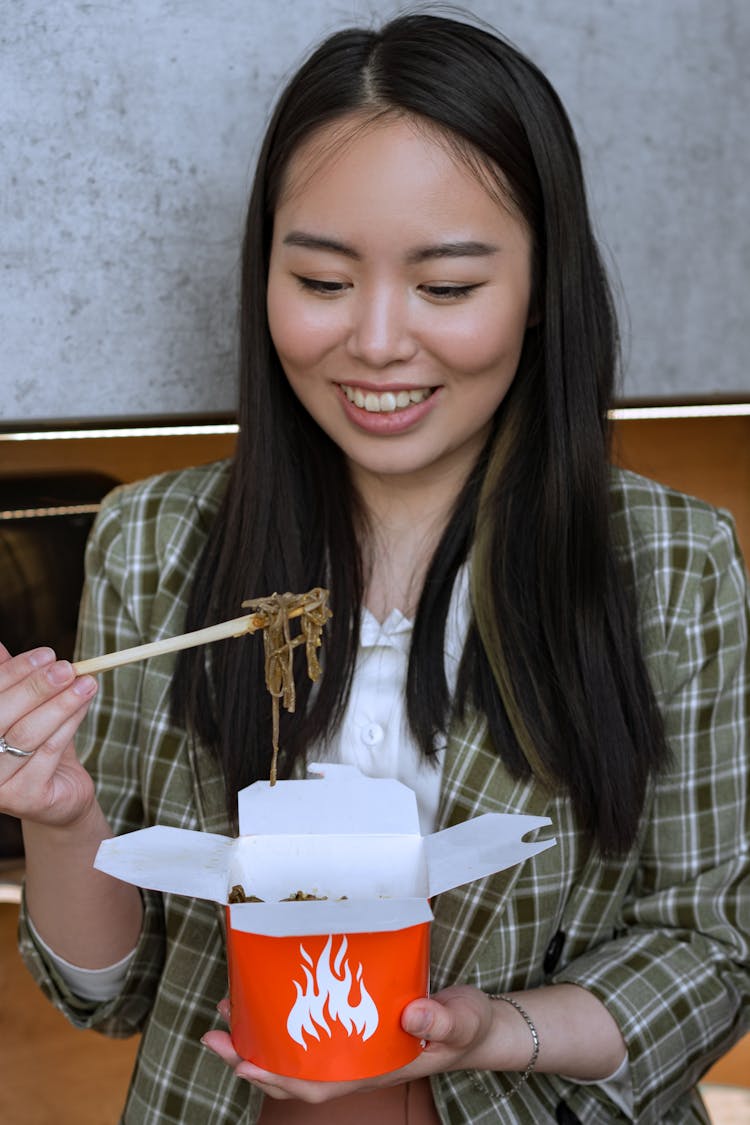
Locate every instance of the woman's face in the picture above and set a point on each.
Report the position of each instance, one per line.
(398, 297)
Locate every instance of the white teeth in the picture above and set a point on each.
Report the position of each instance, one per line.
(386, 402)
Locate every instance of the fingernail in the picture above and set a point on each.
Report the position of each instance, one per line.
(60, 672)
(84, 686)
(417, 1023)
(40, 657)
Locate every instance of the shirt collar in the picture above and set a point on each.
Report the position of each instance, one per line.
(396, 630)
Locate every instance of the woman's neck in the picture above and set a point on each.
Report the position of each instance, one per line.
(405, 522)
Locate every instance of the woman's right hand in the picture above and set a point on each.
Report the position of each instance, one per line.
(42, 703)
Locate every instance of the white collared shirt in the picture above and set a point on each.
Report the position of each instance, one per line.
(374, 734)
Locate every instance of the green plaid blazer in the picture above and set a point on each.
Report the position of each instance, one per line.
(661, 937)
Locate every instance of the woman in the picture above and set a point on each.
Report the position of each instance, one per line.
(428, 357)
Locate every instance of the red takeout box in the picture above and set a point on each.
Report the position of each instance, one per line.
(317, 988)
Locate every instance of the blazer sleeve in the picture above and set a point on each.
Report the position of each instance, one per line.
(108, 746)
(677, 976)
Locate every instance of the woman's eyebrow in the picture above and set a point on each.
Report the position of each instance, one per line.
(462, 248)
(468, 248)
(320, 242)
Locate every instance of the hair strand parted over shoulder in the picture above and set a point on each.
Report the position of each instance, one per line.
(553, 655)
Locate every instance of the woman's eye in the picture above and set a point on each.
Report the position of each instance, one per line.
(315, 285)
(448, 292)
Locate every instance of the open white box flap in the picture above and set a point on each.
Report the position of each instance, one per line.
(343, 801)
(300, 919)
(161, 858)
(479, 847)
(356, 867)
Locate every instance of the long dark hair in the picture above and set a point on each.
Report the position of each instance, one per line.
(553, 657)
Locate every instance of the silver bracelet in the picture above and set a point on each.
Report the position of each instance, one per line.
(530, 1064)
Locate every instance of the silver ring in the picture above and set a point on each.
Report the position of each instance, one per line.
(14, 750)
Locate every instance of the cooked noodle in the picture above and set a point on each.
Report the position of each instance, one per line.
(276, 612)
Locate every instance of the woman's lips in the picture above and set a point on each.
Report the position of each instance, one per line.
(387, 412)
(385, 402)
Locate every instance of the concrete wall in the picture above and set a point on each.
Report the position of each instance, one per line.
(127, 136)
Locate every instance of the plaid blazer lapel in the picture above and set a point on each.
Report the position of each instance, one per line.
(475, 781)
(209, 796)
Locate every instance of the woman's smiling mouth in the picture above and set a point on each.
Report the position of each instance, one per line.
(385, 402)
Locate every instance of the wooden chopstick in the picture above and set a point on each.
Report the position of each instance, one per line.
(237, 627)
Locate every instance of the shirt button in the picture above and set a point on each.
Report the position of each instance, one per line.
(373, 734)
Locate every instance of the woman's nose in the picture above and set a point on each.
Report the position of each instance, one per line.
(380, 331)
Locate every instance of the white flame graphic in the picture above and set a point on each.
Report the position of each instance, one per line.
(329, 987)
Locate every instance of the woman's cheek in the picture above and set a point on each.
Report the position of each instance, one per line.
(488, 337)
(466, 351)
(302, 333)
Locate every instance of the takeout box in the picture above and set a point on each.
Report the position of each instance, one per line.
(317, 987)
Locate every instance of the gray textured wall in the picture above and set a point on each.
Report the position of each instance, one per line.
(127, 134)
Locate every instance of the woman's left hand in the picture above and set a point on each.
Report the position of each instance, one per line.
(455, 1025)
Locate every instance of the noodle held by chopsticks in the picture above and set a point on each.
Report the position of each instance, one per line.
(277, 611)
(273, 615)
